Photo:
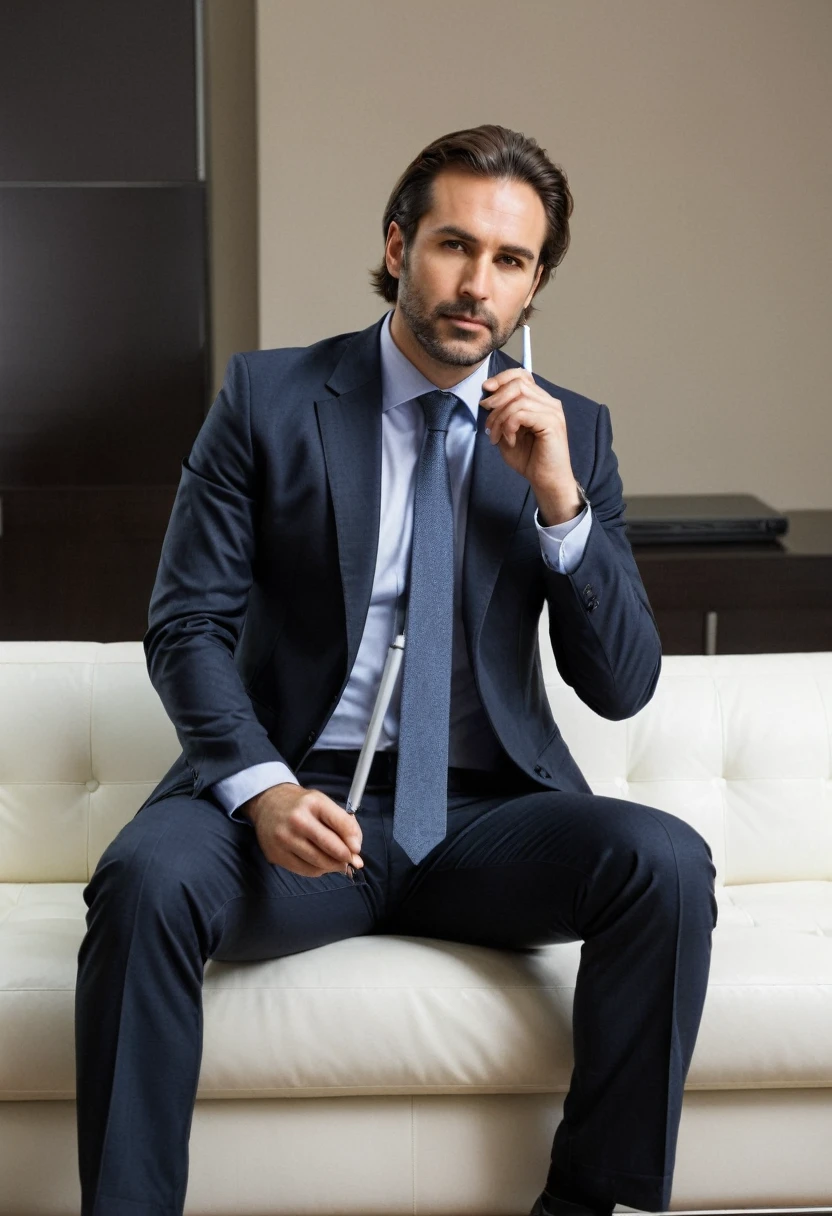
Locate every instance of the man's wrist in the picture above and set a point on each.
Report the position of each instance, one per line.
(250, 808)
(556, 506)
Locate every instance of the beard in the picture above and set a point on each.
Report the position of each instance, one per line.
(436, 334)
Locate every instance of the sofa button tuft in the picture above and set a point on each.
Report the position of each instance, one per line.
(92, 785)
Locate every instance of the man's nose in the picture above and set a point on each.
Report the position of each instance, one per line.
(477, 279)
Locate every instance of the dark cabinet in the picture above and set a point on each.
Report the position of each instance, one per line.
(98, 91)
(104, 317)
(770, 596)
(102, 311)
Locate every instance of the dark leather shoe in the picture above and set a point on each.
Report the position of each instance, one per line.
(551, 1205)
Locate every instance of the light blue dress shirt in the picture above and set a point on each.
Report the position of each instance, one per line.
(472, 742)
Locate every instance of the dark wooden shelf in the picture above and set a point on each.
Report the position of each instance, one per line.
(741, 598)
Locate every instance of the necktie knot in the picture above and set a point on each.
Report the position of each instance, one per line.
(438, 406)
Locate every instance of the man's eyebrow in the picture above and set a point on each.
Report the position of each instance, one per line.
(452, 230)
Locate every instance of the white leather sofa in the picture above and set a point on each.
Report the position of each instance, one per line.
(407, 1075)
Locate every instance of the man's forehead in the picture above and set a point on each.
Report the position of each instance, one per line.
(511, 209)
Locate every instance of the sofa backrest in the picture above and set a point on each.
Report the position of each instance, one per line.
(84, 739)
(740, 746)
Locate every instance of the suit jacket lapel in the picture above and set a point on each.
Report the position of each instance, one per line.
(350, 426)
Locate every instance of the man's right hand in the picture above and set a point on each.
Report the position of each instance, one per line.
(304, 830)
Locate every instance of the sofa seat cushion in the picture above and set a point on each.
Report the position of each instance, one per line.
(404, 1015)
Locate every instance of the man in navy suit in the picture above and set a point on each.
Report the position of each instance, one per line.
(283, 568)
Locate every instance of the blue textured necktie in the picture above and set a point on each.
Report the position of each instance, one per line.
(420, 810)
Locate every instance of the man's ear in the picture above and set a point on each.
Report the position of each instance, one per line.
(534, 287)
(394, 236)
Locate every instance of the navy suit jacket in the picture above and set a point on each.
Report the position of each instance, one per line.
(267, 568)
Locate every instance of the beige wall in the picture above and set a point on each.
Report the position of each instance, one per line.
(695, 298)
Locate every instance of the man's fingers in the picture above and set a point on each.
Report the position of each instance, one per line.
(502, 396)
(321, 856)
(346, 826)
(511, 373)
(329, 843)
(311, 860)
(519, 416)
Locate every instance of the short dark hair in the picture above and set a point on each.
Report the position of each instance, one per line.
(484, 151)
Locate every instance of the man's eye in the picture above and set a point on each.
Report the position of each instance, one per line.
(504, 255)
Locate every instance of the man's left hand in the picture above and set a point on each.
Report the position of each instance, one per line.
(529, 426)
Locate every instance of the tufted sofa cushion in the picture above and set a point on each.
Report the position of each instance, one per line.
(740, 746)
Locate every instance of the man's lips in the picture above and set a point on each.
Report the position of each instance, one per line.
(466, 321)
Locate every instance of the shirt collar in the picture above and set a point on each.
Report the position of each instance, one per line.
(401, 380)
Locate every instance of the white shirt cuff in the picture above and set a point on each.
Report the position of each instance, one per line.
(562, 545)
(233, 791)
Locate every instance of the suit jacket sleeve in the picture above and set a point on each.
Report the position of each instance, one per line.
(601, 626)
(199, 600)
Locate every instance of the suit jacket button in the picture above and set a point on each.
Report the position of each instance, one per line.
(588, 589)
(538, 769)
(593, 604)
(310, 737)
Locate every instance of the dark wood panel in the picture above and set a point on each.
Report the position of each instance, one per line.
(717, 582)
(78, 564)
(104, 367)
(97, 90)
(681, 632)
(793, 572)
(760, 630)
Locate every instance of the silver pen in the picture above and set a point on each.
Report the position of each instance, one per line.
(527, 348)
(392, 664)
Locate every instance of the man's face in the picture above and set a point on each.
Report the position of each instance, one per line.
(473, 276)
